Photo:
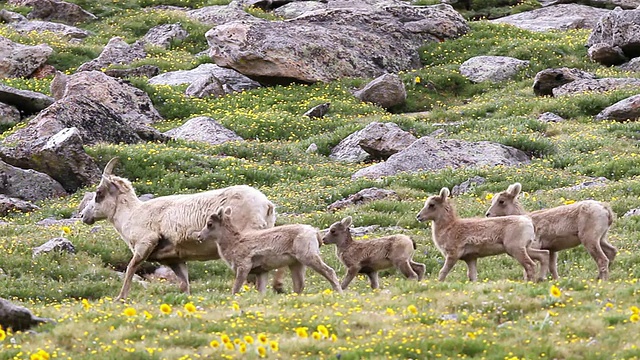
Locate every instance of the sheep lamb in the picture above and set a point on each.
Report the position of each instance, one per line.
(370, 256)
(470, 239)
(165, 229)
(584, 222)
(259, 251)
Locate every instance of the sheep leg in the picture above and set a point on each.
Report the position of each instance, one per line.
(407, 270)
(242, 271)
(297, 277)
(373, 279)
(523, 258)
(278, 280)
(180, 269)
(140, 253)
(553, 264)
(542, 256)
(446, 268)
(472, 269)
(352, 272)
(609, 250)
(261, 282)
(601, 260)
(316, 263)
(419, 268)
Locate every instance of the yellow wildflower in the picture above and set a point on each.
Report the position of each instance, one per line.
(417, 80)
(555, 291)
(237, 341)
(85, 304)
(166, 309)
(3, 335)
(242, 348)
(323, 331)
(130, 311)
(412, 309)
(302, 332)
(214, 344)
(316, 335)
(248, 339)
(273, 345)
(390, 311)
(634, 309)
(189, 307)
(262, 338)
(471, 335)
(489, 196)
(634, 318)
(66, 230)
(262, 352)
(235, 306)
(229, 345)
(225, 338)
(334, 337)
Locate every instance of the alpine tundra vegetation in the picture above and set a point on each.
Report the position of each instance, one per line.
(500, 316)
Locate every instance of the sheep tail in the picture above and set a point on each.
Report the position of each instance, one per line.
(319, 238)
(610, 213)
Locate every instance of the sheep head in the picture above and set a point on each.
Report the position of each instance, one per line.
(435, 206)
(213, 228)
(338, 231)
(105, 199)
(506, 202)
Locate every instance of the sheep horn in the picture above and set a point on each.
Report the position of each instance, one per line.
(108, 169)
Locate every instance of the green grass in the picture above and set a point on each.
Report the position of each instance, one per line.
(499, 317)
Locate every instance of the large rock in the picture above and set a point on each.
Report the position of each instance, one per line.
(221, 14)
(117, 51)
(385, 91)
(381, 140)
(10, 204)
(203, 129)
(619, 28)
(429, 154)
(230, 80)
(633, 65)
(626, 109)
(56, 10)
(492, 68)
(163, 35)
(596, 85)
(549, 79)
(206, 86)
(17, 60)
(148, 71)
(9, 115)
(60, 156)
(27, 185)
(10, 16)
(330, 44)
(28, 102)
(362, 197)
(298, 8)
(556, 17)
(606, 54)
(26, 27)
(17, 318)
(60, 244)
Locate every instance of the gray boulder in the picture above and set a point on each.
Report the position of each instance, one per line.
(148, 71)
(72, 32)
(619, 28)
(221, 14)
(163, 35)
(28, 102)
(10, 204)
(492, 68)
(56, 10)
(18, 318)
(206, 86)
(231, 80)
(10, 16)
(17, 60)
(596, 85)
(556, 17)
(9, 115)
(606, 54)
(429, 154)
(203, 129)
(381, 140)
(334, 43)
(467, 186)
(385, 91)
(549, 79)
(548, 117)
(60, 244)
(27, 185)
(633, 65)
(626, 109)
(349, 150)
(362, 197)
(318, 111)
(117, 51)
(298, 8)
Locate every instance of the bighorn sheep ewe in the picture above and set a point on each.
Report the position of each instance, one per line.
(370, 256)
(165, 229)
(470, 239)
(563, 227)
(259, 251)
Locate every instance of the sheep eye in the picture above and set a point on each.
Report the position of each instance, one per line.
(333, 231)
(99, 195)
(501, 202)
(431, 206)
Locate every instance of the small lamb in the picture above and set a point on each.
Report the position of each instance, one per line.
(563, 227)
(368, 257)
(470, 239)
(260, 251)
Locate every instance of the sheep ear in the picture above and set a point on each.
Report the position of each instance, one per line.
(444, 193)
(514, 189)
(227, 211)
(108, 169)
(346, 222)
(219, 211)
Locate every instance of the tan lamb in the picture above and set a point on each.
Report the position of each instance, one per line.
(370, 256)
(585, 222)
(473, 238)
(260, 251)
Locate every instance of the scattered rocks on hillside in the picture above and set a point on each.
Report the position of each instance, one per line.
(9, 115)
(71, 32)
(593, 182)
(163, 35)
(467, 185)
(318, 111)
(203, 129)
(596, 85)
(427, 154)
(27, 185)
(362, 197)
(381, 140)
(606, 54)
(60, 244)
(28, 102)
(632, 65)
(117, 51)
(148, 71)
(385, 91)
(18, 318)
(56, 10)
(549, 117)
(632, 212)
(10, 204)
(328, 44)
(52, 221)
(230, 80)
(556, 17)
(619, 28)
(626, 109)
(549, 79)
(492, 68)
(17, 60)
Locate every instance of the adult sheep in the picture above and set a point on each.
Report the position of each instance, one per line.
(165, 229)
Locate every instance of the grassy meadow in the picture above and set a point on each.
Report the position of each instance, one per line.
(498, 317)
